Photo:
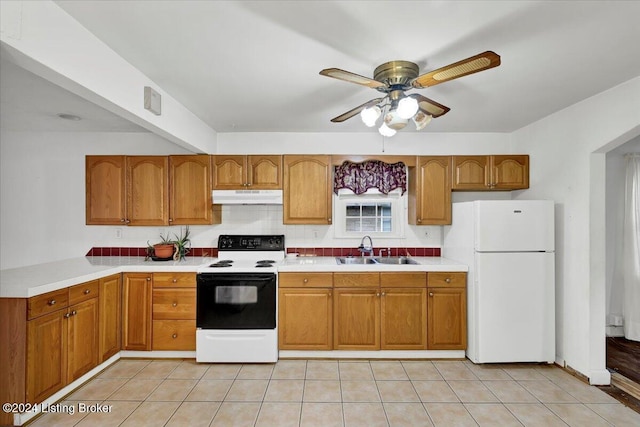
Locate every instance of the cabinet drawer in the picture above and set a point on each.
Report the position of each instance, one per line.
(447, 280)
(403, 280)
(84, 291)
(174, 335)
(47, 303)
(305, 280)
(174, 280)
(174, 303)
(356, 280)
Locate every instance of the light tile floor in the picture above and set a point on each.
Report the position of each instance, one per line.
(344, 393)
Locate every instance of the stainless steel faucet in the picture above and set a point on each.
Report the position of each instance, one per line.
(368, 249)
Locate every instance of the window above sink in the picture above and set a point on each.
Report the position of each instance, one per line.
(373, 213)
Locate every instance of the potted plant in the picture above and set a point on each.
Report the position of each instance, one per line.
(162, 250)
(167, 248)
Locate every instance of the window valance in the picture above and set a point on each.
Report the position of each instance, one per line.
(359, 177)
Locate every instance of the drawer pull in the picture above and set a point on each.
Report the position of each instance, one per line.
(52, 302)
(87, 291)
(175, 280)
(305, 280)
(430, 294)
(174, 336)
(448, 280)
(175, 304)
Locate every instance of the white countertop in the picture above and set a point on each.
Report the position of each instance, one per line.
(38, 279)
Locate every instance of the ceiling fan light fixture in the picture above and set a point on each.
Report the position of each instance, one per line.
(394, 121)
(421, 120)
(386, 130)
(370, 115)
(407, 107)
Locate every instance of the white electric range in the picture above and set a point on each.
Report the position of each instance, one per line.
(236, 314)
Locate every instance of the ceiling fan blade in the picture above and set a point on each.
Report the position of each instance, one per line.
(347, 76)
(480, 62)
(429, 106)
(344, 116)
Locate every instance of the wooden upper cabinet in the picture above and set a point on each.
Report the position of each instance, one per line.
(190, 190)
(264, 172)
(259, 172)
(307, 190)
(499, 172)
(229, 172)
(430, 191)
(105, 190)
(510, 172)
(147, 190)
(470, 173)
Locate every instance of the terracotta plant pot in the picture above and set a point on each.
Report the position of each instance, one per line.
(163, 251)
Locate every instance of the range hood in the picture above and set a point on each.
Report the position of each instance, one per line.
(247, 197)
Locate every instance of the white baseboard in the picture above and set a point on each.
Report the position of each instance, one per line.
(614, 331)
(382, 354)
(600, 377)
(158, 354)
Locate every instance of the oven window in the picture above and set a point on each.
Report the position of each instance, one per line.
(236, 301)
(236, 295)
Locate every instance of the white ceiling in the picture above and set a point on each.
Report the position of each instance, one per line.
(253, 66)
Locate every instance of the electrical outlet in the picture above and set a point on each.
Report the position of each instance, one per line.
(315, 234)
(118, 233)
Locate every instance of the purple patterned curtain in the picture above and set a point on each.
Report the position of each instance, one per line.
(359, 177)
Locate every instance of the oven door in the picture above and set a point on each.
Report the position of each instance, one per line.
(236, 301)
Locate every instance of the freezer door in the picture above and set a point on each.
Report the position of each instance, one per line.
(515, 307)
(514, 225)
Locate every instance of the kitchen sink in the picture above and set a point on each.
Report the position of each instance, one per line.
(393, 260)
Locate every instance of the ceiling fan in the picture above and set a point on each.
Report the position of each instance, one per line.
(394, 79)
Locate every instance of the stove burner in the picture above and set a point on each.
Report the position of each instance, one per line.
(222, 263)
(265, 261)
(264, 265)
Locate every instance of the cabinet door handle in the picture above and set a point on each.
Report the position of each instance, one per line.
(127, 221)
(73, 313)
(122, 220)
(419, 220)
(377, 294)
(170, 219)
(67, 315)
(430, 294)
(174, 336)
(148, 279)
(384, 293)
(328, 219)
(447, 280)
(52, 302)
(87, 291)
(175, 304)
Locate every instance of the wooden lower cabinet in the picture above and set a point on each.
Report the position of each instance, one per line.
(404, 319)
(136, 311)
(356, 319)
(174, 311)
(82, 336)
(447, 311)
(174, 334)
(62, 345)
(110, 316)
(46, 355)
(305, 319)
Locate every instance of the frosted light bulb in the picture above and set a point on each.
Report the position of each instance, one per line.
(407, 107)
(386, 130)
(370, 115)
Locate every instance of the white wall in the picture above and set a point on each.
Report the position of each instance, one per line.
(42, 192)
(615, 170)
(567, 151)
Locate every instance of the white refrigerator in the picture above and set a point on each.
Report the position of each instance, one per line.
(509, 248)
